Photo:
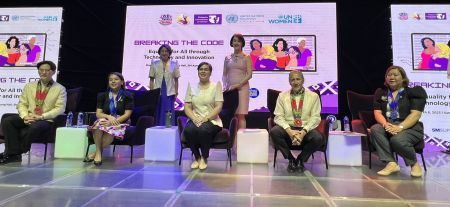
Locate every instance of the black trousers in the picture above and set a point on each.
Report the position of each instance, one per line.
(18, 135)
(200, 137)
(311, 142)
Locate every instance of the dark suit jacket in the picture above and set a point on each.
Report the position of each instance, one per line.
(126, 102)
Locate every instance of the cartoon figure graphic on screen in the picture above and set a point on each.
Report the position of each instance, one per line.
(34, 52)
(214, 19)
(294, 56)
(305, 53)
(429, 49)
(267, 59)
(448, 65)
(13, 50)
(183, 19)
(24, 50)
(3, 54)
(256, 47)
(439, 60)
(280, 46)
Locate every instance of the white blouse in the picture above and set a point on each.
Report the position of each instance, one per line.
(203, 100)
(170, 71)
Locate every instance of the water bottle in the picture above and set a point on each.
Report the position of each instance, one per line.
(80, 119)
(168, 120)
(69, 119)
(331, 122)
(346, 124)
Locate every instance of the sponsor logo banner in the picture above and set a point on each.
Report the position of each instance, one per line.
(208, 19)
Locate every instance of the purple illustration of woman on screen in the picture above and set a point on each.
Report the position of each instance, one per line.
(256, 46)
(280, 47)
(439, 60)
(12, 45)
(429, 49)
(267, 60)
(3, 54)
(22, 61)
(448, 65)
(306, 54)
(294, 57)
(34, 52)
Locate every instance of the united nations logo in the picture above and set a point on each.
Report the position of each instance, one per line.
(253, 92)
(232, 18)
(15, 18)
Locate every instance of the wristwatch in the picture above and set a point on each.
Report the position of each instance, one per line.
(401, 126)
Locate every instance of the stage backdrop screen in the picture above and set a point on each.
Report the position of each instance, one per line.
(200, 33)
(27, 36)
(420, 39)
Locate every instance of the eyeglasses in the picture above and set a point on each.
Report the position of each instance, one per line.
(203, 69)
(44, 70)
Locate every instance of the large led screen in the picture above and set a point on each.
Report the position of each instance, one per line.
(199, 33)
(27, 36)
(420, 39)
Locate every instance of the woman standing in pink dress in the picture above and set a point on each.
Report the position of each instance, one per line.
(237, 71)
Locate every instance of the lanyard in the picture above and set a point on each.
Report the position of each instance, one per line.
(392, 106)
(297, 109)
(40, 96)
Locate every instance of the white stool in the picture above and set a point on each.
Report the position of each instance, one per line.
(162, 144)
(344, 148)
(253, 146)
(70, 142)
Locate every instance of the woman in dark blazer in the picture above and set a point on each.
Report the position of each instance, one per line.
(397, 109)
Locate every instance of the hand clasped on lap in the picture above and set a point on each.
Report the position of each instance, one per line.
(198, 120)
(392, 128)
(297, 139)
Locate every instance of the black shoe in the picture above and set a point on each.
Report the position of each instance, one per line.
(87, 159)
(97, 163)
(12, 158)
(292, 167)
(300, 166)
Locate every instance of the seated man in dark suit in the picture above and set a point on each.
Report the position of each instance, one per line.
(40, 102)
(297, 114)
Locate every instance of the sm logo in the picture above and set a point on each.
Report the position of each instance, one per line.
(253, 92)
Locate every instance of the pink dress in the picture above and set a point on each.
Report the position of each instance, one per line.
(253, 58)
(425, 61)
(236, 70)
(117, 132)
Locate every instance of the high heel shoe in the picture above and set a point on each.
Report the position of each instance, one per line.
(87, 159)
(97, 163)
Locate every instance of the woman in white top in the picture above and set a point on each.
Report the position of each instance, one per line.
(203, 103)
(164, 74)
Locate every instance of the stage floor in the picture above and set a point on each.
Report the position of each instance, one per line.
(69, 182)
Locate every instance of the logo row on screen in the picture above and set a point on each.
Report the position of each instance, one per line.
(216, 19)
